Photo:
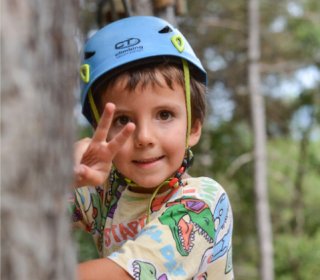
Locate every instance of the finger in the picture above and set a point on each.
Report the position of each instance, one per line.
(79, 149)
(78, 177)
(86, 176)
(102, 129)
(118, 141)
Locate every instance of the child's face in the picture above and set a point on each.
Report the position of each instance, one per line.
(156, 149)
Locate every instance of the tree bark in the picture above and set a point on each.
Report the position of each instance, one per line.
(142, 7)
(168, 13)
(260, 159)
(38, 82)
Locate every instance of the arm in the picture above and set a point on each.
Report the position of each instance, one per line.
(102, 269)
(92, 164)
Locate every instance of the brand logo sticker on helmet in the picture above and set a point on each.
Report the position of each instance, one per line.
(127, 43)
(128, 46)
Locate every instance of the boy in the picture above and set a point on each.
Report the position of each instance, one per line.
(143, 90)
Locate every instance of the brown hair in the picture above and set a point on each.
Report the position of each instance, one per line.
(146, 74)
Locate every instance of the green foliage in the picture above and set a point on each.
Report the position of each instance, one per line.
(84, 131)
(86, 249)
(297, 257)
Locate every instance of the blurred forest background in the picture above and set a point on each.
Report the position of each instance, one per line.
(274, 53)
(290, 85)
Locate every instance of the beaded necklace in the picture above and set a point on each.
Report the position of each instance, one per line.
(117, 179)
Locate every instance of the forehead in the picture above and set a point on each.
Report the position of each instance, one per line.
(161, 76)
(144, 92)
(151, 73)
(133, 80)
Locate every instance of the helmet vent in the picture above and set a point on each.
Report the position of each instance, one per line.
(166, 29)
(88, 54)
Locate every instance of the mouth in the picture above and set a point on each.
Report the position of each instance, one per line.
(147, 161)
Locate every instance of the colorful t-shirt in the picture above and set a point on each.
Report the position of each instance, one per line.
(188, 235)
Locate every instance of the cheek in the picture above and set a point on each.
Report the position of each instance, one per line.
(120, 159)
(176, 143)
(179, 135)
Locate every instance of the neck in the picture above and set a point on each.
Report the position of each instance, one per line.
(138, 189)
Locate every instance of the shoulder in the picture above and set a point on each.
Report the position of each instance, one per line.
(88, 196)
(204, 188)
(203, 183)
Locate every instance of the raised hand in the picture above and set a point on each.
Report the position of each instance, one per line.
(93, 156)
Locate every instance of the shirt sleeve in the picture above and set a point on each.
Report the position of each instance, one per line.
(187, 239)
(86, 208)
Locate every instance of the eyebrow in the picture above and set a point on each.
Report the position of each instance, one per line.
(165, 106)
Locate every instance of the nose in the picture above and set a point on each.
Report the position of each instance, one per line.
(144, 135)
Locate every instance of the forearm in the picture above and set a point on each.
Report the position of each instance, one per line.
(103, 269)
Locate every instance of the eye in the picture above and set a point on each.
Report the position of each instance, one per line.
(121, 120)
(165, 115)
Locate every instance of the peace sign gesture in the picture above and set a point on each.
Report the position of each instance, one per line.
(93, 156)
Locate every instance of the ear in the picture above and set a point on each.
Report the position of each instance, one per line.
(195, 133)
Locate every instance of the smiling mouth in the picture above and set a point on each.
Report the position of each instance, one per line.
(148, 161)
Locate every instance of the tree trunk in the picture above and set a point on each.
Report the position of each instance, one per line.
(168, 13)
(147, 7)
(260, 159)
(38, 81)
(142, 7)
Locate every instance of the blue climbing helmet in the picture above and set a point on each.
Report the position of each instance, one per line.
(130, 42)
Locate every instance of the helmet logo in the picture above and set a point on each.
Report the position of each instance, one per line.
(178, 42)
(127, 43)
(85, 72)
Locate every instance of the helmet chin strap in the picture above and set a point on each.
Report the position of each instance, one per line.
(94, 109)
(176, 180)
(172, 182)
(186, 74)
